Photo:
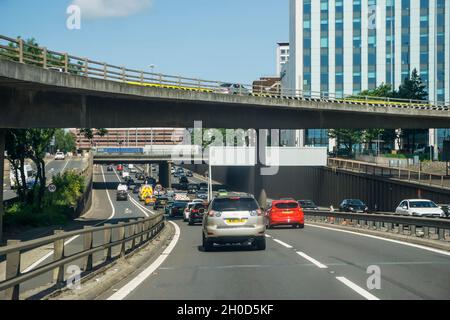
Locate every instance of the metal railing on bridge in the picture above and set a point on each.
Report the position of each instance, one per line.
(429, 179)
(20, 51)
(111, 240)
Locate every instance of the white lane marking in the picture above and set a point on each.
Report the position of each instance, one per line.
(268, 236)
(65, 166)
(49, 254)
(109, 197)
(366, 294)
(283, 243)
(417, 246)
(123, 292)
(138, 205)
(312, 260)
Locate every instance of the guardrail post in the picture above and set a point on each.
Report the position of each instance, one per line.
(413, 229)
(441, 234)
(132, 229)
(86, 67)
(20, 50)
(142, 77)
(66, 63)
(140, 230)
(44, 57)
(400, 228)
(107, 240)
(58, 254)
(123, 74)
(122, 238)
(144, 230)
(88, 241)
(12, 271)
(105, 68)
(389, 227)
(426, 232)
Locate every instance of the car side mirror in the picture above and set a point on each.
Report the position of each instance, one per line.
(201, 211)
(405, 208)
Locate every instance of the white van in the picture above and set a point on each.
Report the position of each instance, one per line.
(29, 176)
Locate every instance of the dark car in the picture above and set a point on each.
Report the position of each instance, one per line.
(160, 202)
(178, 208)
(183, 179)
(203, 185)
(353, 205)
(130, 182)
(141, 176)
(136, 188)
(110, 168)
(196, 213)
(308, 205)
(121, 195)
(192, 188)
(189, 174)
(168, 207)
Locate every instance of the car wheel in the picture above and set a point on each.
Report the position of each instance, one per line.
(301, 226)
(260, 244)
(191, 223)
(207, 245)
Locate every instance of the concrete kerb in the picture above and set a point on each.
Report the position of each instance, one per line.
(393, 236)
(99, 281)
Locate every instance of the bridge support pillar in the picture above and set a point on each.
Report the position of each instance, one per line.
(164, 174)
(2, 162)
(258, 185)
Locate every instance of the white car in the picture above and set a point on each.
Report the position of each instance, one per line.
(419, 208)
(187, 211)
(60, 156)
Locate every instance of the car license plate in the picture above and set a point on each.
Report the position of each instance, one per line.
(235, 220)
(287, 212)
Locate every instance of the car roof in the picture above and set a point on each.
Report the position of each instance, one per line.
(417, 200)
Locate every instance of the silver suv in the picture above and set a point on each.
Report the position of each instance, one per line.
(234, 219)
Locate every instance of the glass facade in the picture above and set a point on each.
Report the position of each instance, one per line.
(406, 26)
(372, 45)
(424, 40)
(390, 41)
(356, 46)
(316, 137)
(307, 47)
(440, 50)
(339, 48)
(324, 67)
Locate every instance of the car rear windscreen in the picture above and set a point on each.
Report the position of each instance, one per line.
(235, 204)
(287, 205)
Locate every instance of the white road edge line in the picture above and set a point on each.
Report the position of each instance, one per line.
(283, 243)
(268, 235)
(64, 168)
(123, 292)
(49, 254)
(366, 294)
(417, 246)
(312, 260)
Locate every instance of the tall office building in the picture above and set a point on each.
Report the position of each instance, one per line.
(341, 47)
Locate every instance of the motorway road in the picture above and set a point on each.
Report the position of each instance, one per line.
(313, 263)
(52, 168)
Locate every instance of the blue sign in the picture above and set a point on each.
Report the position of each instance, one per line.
(120, 150)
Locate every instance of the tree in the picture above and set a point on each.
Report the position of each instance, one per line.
(346, 137)
(15, 147)
(412, 88)
(38, 142)
(89, 133)
(64, 141)
(383, 90)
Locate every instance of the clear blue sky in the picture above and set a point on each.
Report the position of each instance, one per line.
(229, 40)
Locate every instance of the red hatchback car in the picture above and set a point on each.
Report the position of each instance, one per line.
(119, 167)
(283, 213)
